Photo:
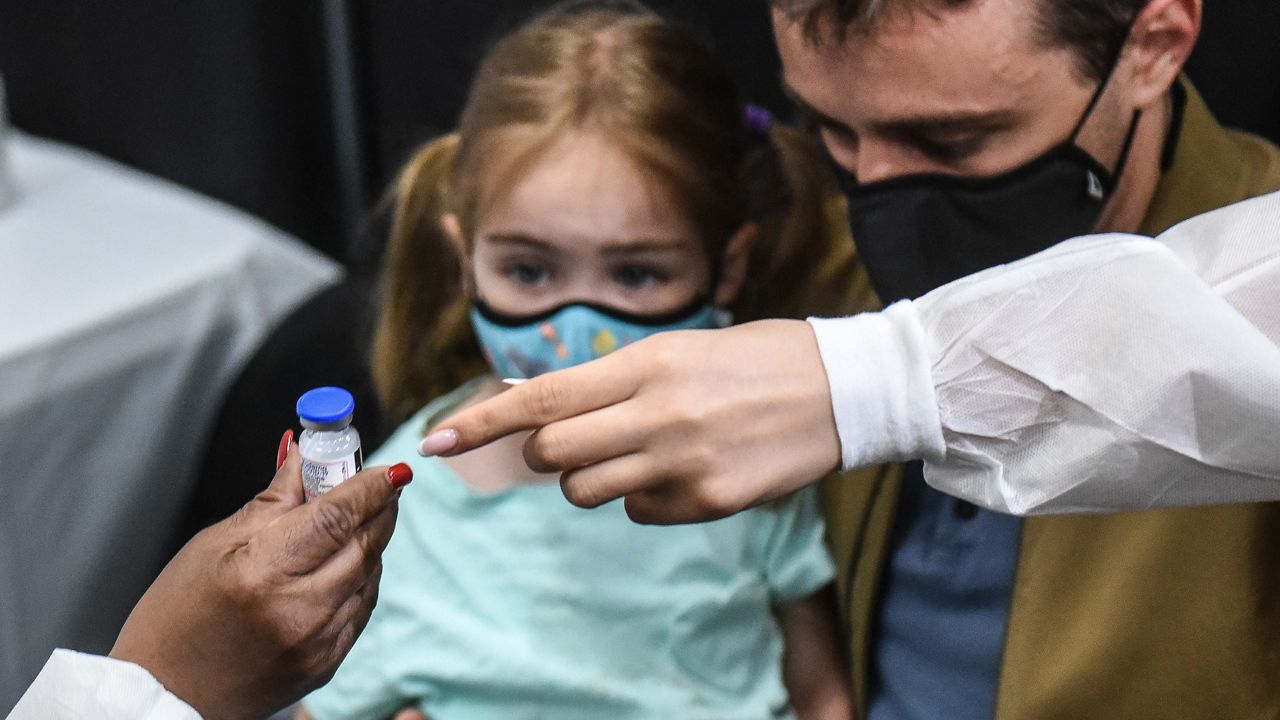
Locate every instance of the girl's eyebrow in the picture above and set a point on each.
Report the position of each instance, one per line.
(612, 247)
(624, 247)
(522, 241)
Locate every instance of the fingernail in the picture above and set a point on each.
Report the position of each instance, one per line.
(283, 452)
(438, 442)
(400, 475)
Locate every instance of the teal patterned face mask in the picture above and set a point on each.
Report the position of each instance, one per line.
(571, 334)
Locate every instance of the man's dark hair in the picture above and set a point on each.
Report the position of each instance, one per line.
(1094, 29)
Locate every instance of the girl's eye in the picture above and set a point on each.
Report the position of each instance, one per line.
(637, 277)
(529, 274)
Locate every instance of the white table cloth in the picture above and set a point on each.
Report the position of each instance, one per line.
(127, 306)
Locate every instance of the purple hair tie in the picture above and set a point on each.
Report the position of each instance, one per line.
(757, 120)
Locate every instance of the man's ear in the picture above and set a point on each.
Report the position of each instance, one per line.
(451, 226)
(1163, 36)
(735, 264)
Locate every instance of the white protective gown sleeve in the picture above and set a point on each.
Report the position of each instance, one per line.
(76, 686)
(1108, 373)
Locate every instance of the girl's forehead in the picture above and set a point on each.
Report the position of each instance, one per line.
(585, 189)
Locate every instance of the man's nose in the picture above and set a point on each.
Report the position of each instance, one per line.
(886, 158)
(878, 161)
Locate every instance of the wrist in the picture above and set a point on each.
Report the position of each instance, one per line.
(882, 393)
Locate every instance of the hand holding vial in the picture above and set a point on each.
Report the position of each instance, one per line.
(260, 608)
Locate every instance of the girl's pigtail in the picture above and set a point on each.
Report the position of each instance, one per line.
(423, 344)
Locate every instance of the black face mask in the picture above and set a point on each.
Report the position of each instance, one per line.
(918, 232)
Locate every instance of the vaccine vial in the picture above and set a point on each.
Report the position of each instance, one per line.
(329, 446)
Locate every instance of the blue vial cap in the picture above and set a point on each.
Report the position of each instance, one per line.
(326, 405)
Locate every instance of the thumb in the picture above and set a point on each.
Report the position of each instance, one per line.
(314, 532)
(285, 491)
(410, 714)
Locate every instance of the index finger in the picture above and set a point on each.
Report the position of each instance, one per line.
(533, 404)
(307, 536)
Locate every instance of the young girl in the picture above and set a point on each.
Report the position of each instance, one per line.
(602, 187)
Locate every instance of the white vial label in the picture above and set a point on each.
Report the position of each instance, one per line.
(319, 477)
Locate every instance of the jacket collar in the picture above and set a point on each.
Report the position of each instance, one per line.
(1198, 165)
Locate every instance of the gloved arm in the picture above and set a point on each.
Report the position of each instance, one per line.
(1108, 373)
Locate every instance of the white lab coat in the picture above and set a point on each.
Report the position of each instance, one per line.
(76, 686)
(1108, 373)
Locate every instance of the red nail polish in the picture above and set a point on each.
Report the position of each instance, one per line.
(283, 452)
(400, 475)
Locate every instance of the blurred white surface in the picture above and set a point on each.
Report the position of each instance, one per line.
(127, 305)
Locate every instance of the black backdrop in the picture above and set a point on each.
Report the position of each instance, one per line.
(229, 97)
(299, 111)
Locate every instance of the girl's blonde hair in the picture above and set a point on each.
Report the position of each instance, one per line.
(620, 69)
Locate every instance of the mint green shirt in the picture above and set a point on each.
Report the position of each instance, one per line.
(519, 605)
